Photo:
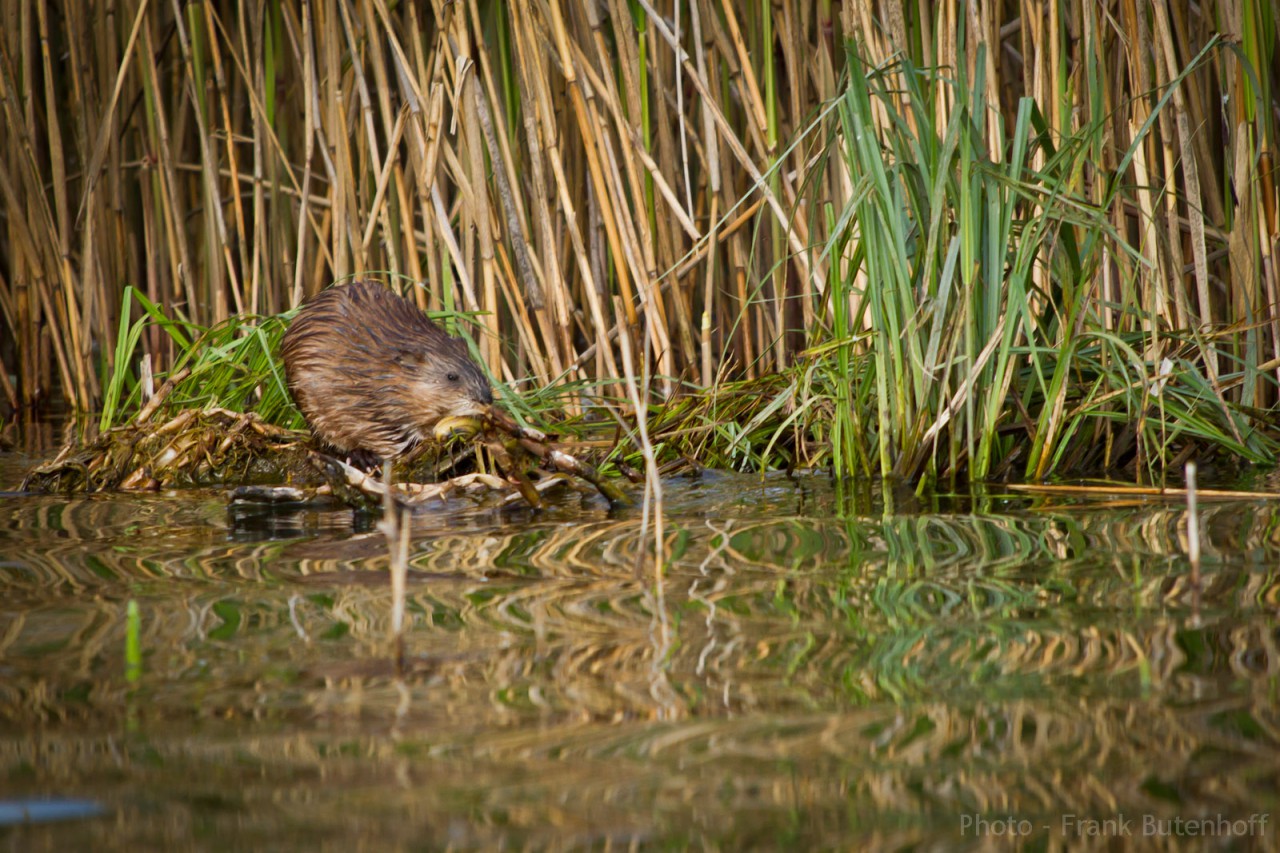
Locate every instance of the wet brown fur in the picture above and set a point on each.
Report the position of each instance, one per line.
(372, 374)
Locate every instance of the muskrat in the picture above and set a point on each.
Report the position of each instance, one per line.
(373, 375)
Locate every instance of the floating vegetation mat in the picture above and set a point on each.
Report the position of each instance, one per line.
(192, 448)
(218, 447)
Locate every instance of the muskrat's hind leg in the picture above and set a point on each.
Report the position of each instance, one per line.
(365, 460)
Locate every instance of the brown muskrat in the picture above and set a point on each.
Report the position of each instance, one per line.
(373, 375)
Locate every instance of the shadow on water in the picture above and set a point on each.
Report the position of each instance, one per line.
(942, 674)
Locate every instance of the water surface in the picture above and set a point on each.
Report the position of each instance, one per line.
(812, 671)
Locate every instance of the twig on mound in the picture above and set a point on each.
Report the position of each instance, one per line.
(537, 444)
(512, 446)
(356, 486)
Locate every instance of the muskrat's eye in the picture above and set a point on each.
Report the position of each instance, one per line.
(452, 377)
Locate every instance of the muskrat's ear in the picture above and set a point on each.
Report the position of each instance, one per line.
(408, 358)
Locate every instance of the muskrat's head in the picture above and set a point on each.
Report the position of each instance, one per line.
(443, 382)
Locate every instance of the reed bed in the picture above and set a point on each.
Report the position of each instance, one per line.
(946, 240)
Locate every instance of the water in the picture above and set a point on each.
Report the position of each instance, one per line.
(813, 672)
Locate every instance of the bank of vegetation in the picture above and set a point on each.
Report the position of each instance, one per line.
(938, 241)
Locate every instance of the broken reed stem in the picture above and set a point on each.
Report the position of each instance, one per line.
(653, 483)
(1140, 491)
(150, 407)
(1193, 526)
(395, 526)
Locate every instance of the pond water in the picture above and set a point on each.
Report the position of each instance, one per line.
(813, 671)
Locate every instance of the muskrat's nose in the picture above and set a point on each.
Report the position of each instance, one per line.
(486, 395)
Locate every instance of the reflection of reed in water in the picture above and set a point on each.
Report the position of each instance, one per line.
(748, 639)
(913, 665)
